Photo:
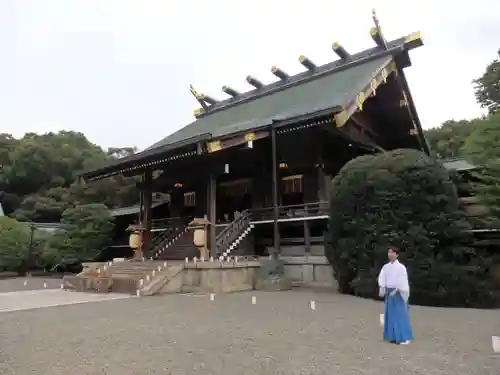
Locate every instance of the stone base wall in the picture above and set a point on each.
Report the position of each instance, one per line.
(309, 270)
(208, 277)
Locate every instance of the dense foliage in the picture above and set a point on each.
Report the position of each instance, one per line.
(37, 179)
(85, 230)
(487, 87)
(406, 199)
(14, 247)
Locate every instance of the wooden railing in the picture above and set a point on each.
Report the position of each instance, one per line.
(169, 222)
(231, 232)
(299, 211)
(170, 227)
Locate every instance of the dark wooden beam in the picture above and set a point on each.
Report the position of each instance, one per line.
(360, 120)
(237, 140)
(274, 158)
(147, 215)
(212, 211)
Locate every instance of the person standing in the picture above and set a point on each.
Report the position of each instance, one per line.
(395, 288)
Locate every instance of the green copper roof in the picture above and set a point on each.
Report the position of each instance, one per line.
(327, 91)
(458, 164)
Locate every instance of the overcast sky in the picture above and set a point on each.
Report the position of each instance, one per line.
(119, 71)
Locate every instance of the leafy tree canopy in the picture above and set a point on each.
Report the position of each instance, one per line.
(487, 87)
(38, 182)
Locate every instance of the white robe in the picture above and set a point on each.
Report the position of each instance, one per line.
(394, 275)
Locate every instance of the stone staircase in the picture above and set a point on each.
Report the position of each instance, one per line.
(179, 249)
(118, 277)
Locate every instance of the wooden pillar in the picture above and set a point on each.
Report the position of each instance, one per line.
(212, 211)
(141, 206)
(307, 233)
(147, 214)
(276, 237)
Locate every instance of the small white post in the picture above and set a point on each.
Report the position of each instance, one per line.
(105, 267)
(187, 260)
(45, 285)
(313, 305)
(194, 260)
(153, 273)
(141, 283)
(381, 319)
(138, 293)
(202, 259)
(236, 259)
(98, 270)
(25, 282)
(212, 296)
(495, 342)
(211, 259)
(147, 277)
(62, 286)
(159, 268)
(254, 300)
(165, 264)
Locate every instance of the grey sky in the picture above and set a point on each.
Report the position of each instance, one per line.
(119, 71)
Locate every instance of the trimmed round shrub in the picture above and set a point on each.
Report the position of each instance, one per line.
(405, 199)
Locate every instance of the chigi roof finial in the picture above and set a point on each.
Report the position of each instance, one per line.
(376, 32)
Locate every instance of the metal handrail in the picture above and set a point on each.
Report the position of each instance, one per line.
(297, 210)
(230, 233)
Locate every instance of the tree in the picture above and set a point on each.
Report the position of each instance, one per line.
(447, 140)
(38, 182)
(85, 230)
(483, 144)
(14, 248)
(487, 87)
(406, 199)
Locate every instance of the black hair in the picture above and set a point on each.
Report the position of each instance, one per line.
(394, 249)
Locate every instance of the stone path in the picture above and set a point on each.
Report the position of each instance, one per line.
(35, 299)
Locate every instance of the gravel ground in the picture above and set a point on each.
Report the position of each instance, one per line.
(33, 283)
(280, 334)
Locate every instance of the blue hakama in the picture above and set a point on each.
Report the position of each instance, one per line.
(396, 321)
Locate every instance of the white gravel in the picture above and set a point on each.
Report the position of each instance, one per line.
(280, 334)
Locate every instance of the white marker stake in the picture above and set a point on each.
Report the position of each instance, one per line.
(138, 293)
(62, 286)
(381, 319)
(187, 260)
(159, 268)
(153, 273)
(25, 282)
(194, 260)
(211, 259)
(45, 285)
(212, 296)
(313, 305)
(254, 300)
(164, 264)
(495, 341)
(147, 277)
(141, 283)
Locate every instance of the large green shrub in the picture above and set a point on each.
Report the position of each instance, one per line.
(14, 244)
(85, 230)
(406, 199)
